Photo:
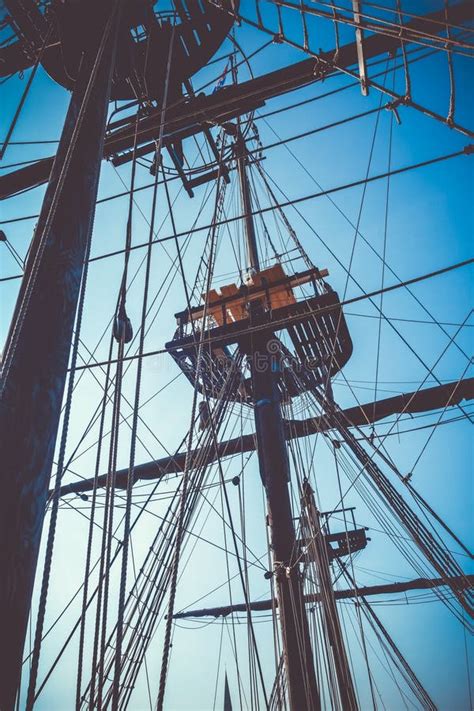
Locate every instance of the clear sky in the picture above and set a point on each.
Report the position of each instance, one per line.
(426, 224)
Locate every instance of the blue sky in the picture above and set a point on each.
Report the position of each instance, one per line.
(430, 225)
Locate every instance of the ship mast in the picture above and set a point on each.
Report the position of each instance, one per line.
(241, 154)
(35, 364)
(274, 470)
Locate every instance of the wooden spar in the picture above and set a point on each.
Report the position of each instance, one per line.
(448, 394)
(386, 589)
(236, 99)
(241, 158)
(303, 693)
(359, 33)
(36, 357)
(231, 102)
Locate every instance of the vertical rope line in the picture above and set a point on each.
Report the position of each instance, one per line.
(115, 428)
(109, 513)
(130, 477)
(89, 542)
(147, 674)
(238, 558)
(384, 253)
(364, 189)
(102, 567)
(243, 530)
(281, 31)
(229, 585)
(128, 239)
(218, 668)
(336, 32)
(351, 561)
(55, 498)
(67, 412)
(119, 333)
(304, 26)
(180, 523)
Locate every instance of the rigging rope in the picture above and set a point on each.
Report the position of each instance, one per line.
(392, 29)
(26, 91)
(109, 28)
(130, 477)
(180, 520)
(88, 571)
(384, 249)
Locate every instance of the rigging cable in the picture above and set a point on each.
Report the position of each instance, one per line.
(130, 477)
(352, 300)
(330, 66)
(435, 551)
(384, 249)
(413, 681)
(122, 333)
(89, 546)
(346, 301)
(452, 83)
(180, 520)
(466, 151)
(394, 29)
(417, 50)
(364, 239)
(404, 53)
(109, 29)
(26, 91)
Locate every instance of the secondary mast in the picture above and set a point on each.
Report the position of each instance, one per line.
(303, 691)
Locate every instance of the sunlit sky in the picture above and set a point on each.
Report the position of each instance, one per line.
(429, 225)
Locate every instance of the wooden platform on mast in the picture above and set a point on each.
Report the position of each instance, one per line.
(316, 327)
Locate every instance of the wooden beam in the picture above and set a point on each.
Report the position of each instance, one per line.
(449, 394)
(463, 582)
(359, 33)
(35, 364)
(188, 118)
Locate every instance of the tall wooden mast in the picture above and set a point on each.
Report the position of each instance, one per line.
(303, 691)
(36, 357)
